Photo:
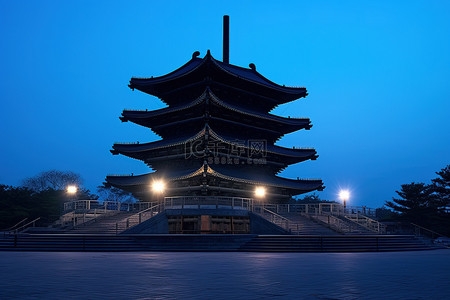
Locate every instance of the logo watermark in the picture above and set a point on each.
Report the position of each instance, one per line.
(250, 152)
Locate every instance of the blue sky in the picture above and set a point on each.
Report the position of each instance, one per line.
(377, 73)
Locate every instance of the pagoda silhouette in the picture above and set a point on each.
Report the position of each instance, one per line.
(218, 137)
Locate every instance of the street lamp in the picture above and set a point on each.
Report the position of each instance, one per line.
(72, 189)
(158, 187)
(260, 192)
(344, 195)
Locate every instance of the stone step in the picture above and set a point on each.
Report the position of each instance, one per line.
(334, 244)
(105, 225)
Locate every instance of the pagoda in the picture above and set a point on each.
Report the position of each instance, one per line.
(217, 134)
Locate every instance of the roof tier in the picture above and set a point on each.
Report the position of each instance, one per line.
(198, 73)
(222, 181)
(167, 122)
(214, 148)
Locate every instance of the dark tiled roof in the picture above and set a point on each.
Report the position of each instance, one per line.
(220, 172)
(259, 178)
(242, 73)
(142, 115)
(299, 152)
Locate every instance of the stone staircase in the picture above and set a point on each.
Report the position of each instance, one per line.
(342, 224)
(105, 225)
(209, 243)
(301, 225)
(121, 243)
(69, 242)
(291, 243)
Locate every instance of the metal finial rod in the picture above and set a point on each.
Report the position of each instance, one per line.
(226, 39)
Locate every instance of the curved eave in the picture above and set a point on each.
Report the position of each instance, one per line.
(146, 179)
(135, 147)
(301, 185)
(273, 181)
(288, 121)
(144, 117)
(184, 70)
(129, 149)
(253, 76)
(137, 116)
(248, 75)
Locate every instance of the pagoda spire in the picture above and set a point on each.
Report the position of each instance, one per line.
(226, 39)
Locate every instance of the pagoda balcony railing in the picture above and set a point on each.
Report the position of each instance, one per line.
(96, 206)
(126, 143)
(321, 208)
(145, 110)
(303, 148)
(207, 202)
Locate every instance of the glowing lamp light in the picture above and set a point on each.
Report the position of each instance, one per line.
(158, 186)
(260, 192)
(344, 195)
(72, 189)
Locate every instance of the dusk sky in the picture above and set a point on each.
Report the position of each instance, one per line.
(377, 74)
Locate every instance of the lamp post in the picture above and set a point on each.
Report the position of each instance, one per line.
(344, 195)
(71, 191)
(260, 193)
(158, 187)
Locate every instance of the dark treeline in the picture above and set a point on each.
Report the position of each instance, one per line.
(43, 196)
(18, 203)
(427, 205)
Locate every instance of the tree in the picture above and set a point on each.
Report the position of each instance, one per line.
(13, 203)
(310, 198)
(425, 204)
(18, 203)
(385, 214)
(114, 194)
(53, 179)
(417, 203)
(441, 187)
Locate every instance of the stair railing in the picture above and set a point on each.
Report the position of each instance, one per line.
(84, 218)
(137, 218)
(366, 222)
(25, 226)
(331, 221)
(272, 216)
(425, 232)
(13, 227)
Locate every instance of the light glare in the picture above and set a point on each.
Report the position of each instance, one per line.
(71, 189)
(344, 195)
(158, 186)
(260, 192)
